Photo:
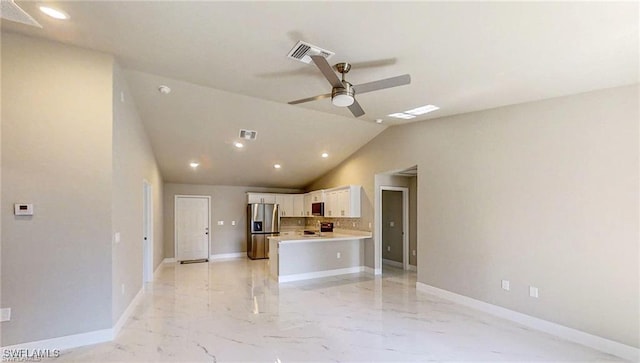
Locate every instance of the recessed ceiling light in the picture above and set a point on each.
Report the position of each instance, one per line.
(325, 155)
(54, 13)
(194, 164)
(277, 166)
(422, 110)
(165, 90)
(379, 121)
(402, 115)
(239, 145)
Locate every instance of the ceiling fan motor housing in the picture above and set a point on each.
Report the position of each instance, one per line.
(343, 96)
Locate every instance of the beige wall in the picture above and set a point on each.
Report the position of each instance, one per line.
(542, 194)
(228, 203)
(56, 154)
(133, 163)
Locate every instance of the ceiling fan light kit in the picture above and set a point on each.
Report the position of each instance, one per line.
(343, 97)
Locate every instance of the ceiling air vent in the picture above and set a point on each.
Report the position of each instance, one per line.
(248, 134)
(303, 51)
(9, 10)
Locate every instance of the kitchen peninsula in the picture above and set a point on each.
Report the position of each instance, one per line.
(296, 256)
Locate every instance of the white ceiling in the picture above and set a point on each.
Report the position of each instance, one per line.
(227, 65)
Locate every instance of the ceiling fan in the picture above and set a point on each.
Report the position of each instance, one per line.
(343, 92)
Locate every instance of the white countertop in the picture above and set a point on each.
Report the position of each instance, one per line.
(298, 237)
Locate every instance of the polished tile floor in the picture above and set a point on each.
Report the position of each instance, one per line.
(231, 311)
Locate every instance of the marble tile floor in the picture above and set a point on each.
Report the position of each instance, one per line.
(232, 311)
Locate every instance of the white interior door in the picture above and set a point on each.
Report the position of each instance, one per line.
(192, 227)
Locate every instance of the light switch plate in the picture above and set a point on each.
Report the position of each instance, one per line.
(505, 285)
(221, 223)
(533, 291)
(392, 224)
(233, 223)
(116, 237)
(5, 314)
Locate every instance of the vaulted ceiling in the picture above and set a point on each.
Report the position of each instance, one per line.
(226, 64)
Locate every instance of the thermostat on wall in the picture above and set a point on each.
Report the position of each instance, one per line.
(22, 209)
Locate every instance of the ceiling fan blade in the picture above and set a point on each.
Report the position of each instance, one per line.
(326, 69)
(382, 84)
(374, 63)
(355, 109)
(314, 98)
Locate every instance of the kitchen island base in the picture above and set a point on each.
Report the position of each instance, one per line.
(295, 258)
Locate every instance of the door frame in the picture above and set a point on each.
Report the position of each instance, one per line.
(175, 220)
(147, 230)
(405, 227)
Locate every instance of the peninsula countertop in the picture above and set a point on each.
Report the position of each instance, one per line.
(299, 237)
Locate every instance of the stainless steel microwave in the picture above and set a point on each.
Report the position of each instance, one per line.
(317, 209)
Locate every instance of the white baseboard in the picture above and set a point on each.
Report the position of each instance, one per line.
(67, 342)
(225, 256)
(155, 273)
(574, 335)
(413, 268)
(318, 274)
(127, 313)
(169, 260)
(369, 270)
(392, 263)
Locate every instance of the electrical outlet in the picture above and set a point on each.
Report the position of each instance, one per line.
(5, 314)
(338, 255)
(414, 252)
(122, 97)
(369, 225)
(233, 223)
(337, 224)
(221, 223)
(533, 291)
(116, 237)
(122, 288)
(354, 224)
(388, 248)
(392, 224)
(505, 285)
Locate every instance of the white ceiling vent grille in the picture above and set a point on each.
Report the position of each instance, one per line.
(248, 134)
(303, 51)
(12, 12)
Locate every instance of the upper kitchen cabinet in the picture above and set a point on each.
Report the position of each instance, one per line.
(285, 202)
(306, 207)
(298, 205)
(267, 198)
(343, 202)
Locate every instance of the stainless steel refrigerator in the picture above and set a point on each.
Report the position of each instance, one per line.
(262, 222)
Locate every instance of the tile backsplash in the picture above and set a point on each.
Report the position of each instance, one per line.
(312, 222)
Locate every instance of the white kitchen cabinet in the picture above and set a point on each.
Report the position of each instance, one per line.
(343, 202)
(306, 208)
(298, 205)
(331, 204)
(268, 198)
(317, 196)
(285, 205)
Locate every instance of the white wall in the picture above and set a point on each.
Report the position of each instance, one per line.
(133, 163)
(228, 203)
(56, 154)
(543, 194)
